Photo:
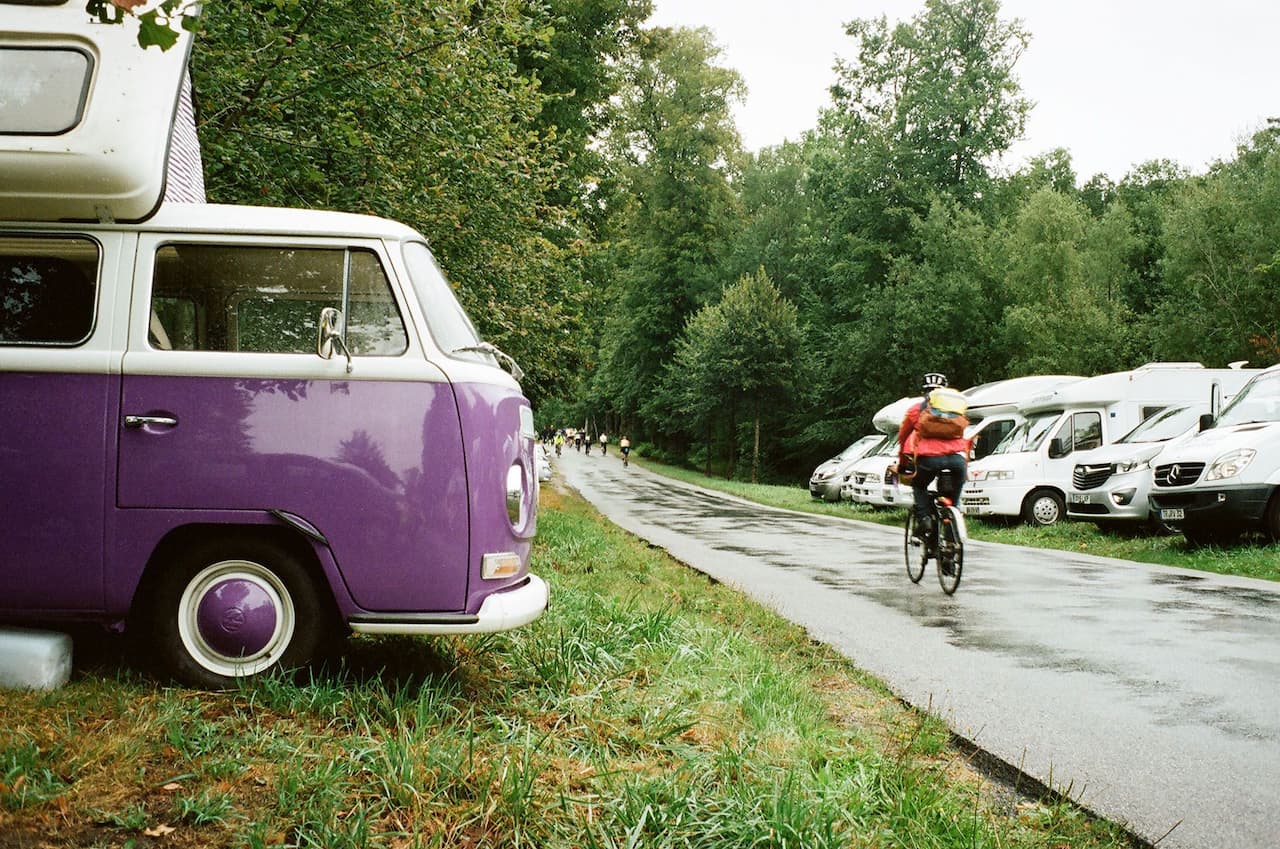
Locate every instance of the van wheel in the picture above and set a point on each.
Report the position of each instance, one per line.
(231, 609)
(1273, 517)
(1199, 537)
(1043, 507)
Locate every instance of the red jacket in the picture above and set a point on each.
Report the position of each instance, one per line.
(928, 447)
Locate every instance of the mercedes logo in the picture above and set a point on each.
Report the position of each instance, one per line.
(1174, 471)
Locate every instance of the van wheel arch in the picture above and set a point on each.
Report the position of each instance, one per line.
(273, 561)
(1043, 507)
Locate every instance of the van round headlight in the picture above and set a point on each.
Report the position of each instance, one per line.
(515, 494)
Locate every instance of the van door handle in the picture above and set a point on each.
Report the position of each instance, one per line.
(143, 421)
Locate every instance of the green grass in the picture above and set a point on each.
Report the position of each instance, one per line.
(1253, 558)
(650, 707)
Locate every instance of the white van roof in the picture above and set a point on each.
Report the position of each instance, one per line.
(86, 114)
(251, 220)
(1154, 382)
(1004, 396)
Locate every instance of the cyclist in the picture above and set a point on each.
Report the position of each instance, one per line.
(624, 445)
(939, 443)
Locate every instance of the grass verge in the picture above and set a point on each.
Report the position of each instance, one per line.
(648, 708)
(1252, 559)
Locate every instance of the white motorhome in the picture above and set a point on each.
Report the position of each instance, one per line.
(872, 480)
(1029, 472)
(993, 407)
(1226, 479)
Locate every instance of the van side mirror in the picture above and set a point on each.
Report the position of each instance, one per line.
(1206, 421)
(329, 336)
(1057, 448)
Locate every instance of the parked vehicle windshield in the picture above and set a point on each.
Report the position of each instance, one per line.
(1259, 401)
(858, 448)
(1028, 435)
(886, 447)
(1163, 426)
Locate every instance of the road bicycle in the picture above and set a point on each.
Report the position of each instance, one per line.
(944, 542)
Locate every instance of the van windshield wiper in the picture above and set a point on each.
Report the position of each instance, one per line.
(493, 351)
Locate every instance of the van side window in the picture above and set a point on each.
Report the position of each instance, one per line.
(1087, 429)
(268, 299)
(48, 289)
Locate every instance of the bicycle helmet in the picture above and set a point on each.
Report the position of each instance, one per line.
(933, 380)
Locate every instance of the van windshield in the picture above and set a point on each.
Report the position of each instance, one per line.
(448, 322)
(1164, 425)
(1028, 435)
(1259, 401)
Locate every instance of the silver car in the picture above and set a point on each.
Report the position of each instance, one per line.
(827, 478)
(1110, 483)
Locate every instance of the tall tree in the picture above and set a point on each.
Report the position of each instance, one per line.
(1222, 261)
(743, 354)
(938, 93)
(416, 112)
(1066, 316)
(680, 145)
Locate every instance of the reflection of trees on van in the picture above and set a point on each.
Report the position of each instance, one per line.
(363, 452)
(268, 300)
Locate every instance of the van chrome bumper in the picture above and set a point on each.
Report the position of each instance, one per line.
(500, 611)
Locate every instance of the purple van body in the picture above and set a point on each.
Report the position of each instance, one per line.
(406, 517)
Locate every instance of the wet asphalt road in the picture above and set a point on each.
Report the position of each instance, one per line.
(1147, 694)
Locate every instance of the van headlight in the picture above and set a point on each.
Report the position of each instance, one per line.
(1230, 464)
(515, 494)
(1126, 466)
(991, 474)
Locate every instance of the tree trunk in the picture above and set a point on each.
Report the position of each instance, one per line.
(755, 454)
(707, 463)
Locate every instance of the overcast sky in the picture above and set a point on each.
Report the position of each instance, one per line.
(1116, 82)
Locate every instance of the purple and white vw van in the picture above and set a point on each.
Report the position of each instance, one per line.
(239, 431)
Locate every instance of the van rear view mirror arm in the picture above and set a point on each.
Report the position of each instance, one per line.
(329, 336)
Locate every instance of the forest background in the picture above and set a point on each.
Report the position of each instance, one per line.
(580, 178)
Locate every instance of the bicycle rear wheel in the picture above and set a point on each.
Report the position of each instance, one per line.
(950, 550)
(914, 550)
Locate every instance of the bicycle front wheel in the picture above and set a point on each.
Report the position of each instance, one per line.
(914, 550)
(950, 550)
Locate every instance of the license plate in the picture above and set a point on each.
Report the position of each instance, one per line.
(1078, 497)
(1170, 514)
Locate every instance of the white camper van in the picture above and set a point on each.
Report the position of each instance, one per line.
(1029, 472)
(239, 432)
(872, 479)
(993, 407)
(1226, 478)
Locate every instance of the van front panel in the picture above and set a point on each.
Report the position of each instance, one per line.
(496, 442)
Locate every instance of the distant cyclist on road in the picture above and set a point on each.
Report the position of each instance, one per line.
(624, 445)
(933, 431)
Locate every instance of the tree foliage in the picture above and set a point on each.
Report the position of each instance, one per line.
(580, 177)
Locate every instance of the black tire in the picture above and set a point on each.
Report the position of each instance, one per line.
(1272, 517)
(950, 552)
(1043, 507)
(1199, 537)
(232, 609)
(914, 551)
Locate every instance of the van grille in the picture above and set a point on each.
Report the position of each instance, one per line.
(1090, 477)
(1178, 474)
